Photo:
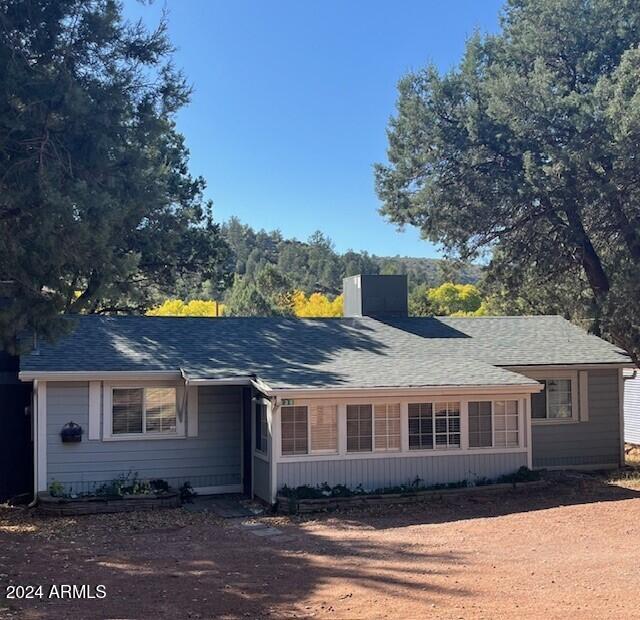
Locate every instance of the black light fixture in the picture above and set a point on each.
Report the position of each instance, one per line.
(71, 433)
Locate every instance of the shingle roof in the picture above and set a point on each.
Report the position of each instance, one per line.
(515, 340)
(349, 352)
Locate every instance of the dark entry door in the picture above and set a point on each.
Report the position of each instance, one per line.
(16, 447)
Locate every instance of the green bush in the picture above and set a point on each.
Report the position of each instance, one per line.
(524, 474)
(324, 490)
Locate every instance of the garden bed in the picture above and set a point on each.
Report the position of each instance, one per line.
(294, 505)
(67, 506)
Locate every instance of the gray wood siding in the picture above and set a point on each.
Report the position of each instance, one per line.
(594, 442)
(632, 410)
(211, 459)
(379, 472)
(262, 479)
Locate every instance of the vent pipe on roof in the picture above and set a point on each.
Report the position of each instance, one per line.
(375, 296)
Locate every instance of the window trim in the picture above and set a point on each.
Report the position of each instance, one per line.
(108, 435)
(571, 375)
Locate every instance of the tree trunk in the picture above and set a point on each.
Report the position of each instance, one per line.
(591, 263)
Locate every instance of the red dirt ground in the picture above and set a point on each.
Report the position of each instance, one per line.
(567, 551)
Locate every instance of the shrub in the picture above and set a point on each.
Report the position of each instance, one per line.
(324, 490)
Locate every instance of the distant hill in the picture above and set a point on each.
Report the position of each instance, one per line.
(430, 271)
(314, 265)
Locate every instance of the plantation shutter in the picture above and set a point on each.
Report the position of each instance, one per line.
(324, 428)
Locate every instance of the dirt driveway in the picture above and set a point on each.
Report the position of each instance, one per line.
(568, 551)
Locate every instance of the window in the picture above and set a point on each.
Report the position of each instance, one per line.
(324, 428)
(387, 427)
(493, 424)
(505, 413)
(420, 426)
(143, 411)
(555, 402)
(434, 425)
(262, 431)
(359, 428)
(480, 425)
(447, 425)
(294, 430)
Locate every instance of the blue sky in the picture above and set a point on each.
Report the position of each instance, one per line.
(291, 101)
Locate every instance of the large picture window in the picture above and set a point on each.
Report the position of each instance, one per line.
(141, 411)
(295, 433)
(359, 428)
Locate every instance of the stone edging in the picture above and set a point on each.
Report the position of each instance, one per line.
(290, 505)
(62, 506)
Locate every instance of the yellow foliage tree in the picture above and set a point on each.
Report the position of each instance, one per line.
(195, 307)
(316, 305)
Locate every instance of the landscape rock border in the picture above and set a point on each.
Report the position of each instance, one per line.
(292, 505)
(66, 506)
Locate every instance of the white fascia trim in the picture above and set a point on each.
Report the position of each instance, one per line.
(524, 388)
(75, 375)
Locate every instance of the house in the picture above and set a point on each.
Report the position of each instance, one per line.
(376, 398)
(632, 406)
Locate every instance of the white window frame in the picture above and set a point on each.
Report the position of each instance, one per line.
(108, 434)
(550, 375)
